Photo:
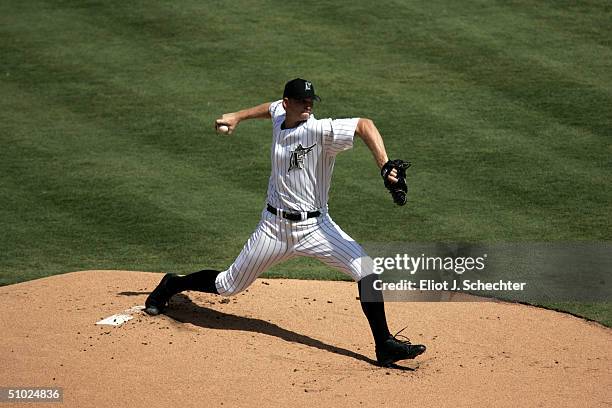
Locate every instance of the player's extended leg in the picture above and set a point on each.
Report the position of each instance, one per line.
(172, 284)
(262, 250)
(337, 249)
(373, 307)
(266, 247)
(389, 349)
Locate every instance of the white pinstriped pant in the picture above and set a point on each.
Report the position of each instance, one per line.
(277, 239)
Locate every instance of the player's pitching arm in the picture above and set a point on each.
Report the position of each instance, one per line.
(231, 120)
(369, 133)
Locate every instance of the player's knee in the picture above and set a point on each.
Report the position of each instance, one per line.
(230, 290)
(363, 267)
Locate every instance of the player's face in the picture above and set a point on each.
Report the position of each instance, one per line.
(299, 108)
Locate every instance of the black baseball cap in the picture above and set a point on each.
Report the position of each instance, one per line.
(299, 88)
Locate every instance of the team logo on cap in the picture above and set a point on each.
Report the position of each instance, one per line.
(297, 156)
(308, 85)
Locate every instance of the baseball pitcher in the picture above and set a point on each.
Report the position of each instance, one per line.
(295, 219)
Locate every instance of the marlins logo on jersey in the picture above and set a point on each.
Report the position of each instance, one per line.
(302, 159)
(297, 156)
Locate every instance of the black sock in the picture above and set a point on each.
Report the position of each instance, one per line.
(202, 281)
(373, 307)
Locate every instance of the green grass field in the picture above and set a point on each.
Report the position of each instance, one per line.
(109, 160)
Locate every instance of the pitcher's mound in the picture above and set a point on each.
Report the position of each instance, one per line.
(290, 343)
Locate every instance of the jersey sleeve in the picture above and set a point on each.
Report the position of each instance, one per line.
(276, 109)
(338, 134)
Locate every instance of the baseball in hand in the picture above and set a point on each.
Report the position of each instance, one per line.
(222, 129)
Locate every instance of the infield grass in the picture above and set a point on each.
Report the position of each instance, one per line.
(108, 158)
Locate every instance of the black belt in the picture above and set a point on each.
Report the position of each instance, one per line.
(293, 216)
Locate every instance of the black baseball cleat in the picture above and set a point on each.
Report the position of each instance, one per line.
(158, 299)
(393, 350)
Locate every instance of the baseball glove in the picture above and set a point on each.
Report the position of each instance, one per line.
(400, 189)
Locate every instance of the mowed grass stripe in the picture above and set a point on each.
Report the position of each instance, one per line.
(544, 75)
(109, 197)
(482, 171)
(502, 107)
(140, 116)
(470, 45)
(171, 120)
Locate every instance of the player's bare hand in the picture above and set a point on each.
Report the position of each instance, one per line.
(230, 120)
(392, 177)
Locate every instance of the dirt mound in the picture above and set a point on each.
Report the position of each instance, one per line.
(290, 343)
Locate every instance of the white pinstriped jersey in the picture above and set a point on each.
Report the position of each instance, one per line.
(303, 159)
(302, 164)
